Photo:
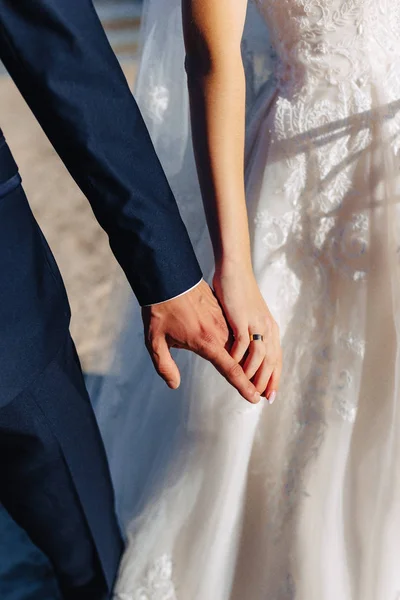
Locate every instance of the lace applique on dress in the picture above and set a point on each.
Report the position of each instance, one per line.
(316, 226)
(330, 40)
(157, 583)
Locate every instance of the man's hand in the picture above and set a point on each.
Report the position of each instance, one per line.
(194, 322)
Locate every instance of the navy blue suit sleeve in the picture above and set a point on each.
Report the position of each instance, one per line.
(58, 55)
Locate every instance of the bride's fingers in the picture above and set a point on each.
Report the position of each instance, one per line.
(273, 383)
(163, 362)
(231, 370)
(262, 377)
(257, 351)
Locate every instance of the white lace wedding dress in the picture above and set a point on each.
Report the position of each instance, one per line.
(301, 500)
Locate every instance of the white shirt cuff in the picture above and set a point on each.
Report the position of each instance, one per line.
(179, 295)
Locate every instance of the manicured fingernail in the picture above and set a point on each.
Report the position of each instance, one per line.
(256, 398)
(272, 397)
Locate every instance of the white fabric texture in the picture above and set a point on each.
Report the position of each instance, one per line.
(301, 500)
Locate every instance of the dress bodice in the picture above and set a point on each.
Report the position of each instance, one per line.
(333, 40)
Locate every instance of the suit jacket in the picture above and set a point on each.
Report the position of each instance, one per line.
(58, 55)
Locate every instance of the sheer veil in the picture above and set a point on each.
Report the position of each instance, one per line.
(138, 434)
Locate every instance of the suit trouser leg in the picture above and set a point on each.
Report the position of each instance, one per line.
(38, 484)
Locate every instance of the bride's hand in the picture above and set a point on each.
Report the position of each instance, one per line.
(247, 313)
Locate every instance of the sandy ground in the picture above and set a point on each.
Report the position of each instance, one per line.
(80, 246)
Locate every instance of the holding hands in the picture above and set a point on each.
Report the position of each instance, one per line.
(193, 322)
(196, 322)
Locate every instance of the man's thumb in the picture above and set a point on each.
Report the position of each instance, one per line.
(164, 364)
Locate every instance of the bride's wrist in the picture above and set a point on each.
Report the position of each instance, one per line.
(233, 267)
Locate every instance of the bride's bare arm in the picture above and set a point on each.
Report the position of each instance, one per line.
(213, 31)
